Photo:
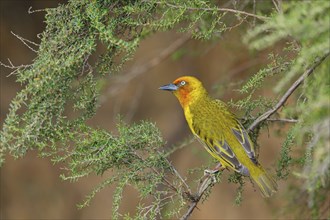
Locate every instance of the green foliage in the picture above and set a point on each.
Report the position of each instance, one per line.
(63, 78)
(283, 164)
(237, 179)
(306, 25)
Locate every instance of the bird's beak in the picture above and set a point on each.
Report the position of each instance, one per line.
(169, 87)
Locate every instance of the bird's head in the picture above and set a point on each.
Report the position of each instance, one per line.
(187, 89)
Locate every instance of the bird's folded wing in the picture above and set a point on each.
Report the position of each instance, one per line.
(245, 141)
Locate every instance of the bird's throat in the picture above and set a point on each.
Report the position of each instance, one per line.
(185, 98)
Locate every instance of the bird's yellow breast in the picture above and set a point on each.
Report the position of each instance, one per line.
(189, 118)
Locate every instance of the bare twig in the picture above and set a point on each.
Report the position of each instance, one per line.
(180, 177)
(208, 179)
(207, 182)
(262, 18)
(168, 183)
(276, 6)
(288, 93)
(13, 67)
(26, 41)
(287, 120)
(31, 11)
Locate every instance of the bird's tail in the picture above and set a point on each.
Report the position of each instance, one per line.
(266, 183)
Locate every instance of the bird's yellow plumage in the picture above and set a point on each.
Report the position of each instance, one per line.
(219, 130)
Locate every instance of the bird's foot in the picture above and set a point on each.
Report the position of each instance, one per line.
(211, 173)
(214, 170)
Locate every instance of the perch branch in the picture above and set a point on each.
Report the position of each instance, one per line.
(288, 93)
(287, 120)
(263, 18)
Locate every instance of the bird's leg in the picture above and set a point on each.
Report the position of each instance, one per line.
(215, 170)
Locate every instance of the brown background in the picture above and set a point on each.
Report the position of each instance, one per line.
(31, 187)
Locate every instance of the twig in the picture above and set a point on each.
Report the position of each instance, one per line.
(31, 11)
(206, 182)
(262, 18)
(208, 179)
(180, 177)
(24, 41)
(13, 67)
(287, 120)
(276, 6)
(168, 183)
(288, 93)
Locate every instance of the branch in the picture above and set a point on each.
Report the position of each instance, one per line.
(288, 93)
(13, 67)
(277, 5)
(207, 183)
(262, 18)
(287, 120)
(26, 41)
(180, 177)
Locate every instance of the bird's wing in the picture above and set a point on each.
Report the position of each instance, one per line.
(220, 150)
(240, 134)
(245, 141)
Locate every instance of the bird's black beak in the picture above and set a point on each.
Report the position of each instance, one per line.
(169, 87)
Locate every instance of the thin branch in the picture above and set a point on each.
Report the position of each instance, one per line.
(180, 177)
(288, 93)
(168, 183)
(260, 17)
(13, 67)
(276, 6)
(31, 11)
(254, 11)
(25, 41)
(181, 145)
(287, 120)
(206, 182)
(208, 178)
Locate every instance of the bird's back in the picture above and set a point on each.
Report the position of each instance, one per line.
(212, 118)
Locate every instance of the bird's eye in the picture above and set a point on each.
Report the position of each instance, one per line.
(182, 83)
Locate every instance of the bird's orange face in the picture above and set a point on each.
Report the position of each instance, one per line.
(185, 88)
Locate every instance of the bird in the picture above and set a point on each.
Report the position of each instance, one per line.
(220, 131)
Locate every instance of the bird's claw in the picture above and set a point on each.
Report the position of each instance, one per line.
(211, 173)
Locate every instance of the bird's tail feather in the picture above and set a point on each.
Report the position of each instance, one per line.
(266, 183)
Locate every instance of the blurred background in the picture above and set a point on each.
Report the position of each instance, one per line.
(31, 188)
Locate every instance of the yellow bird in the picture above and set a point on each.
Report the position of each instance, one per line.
(220, 131)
